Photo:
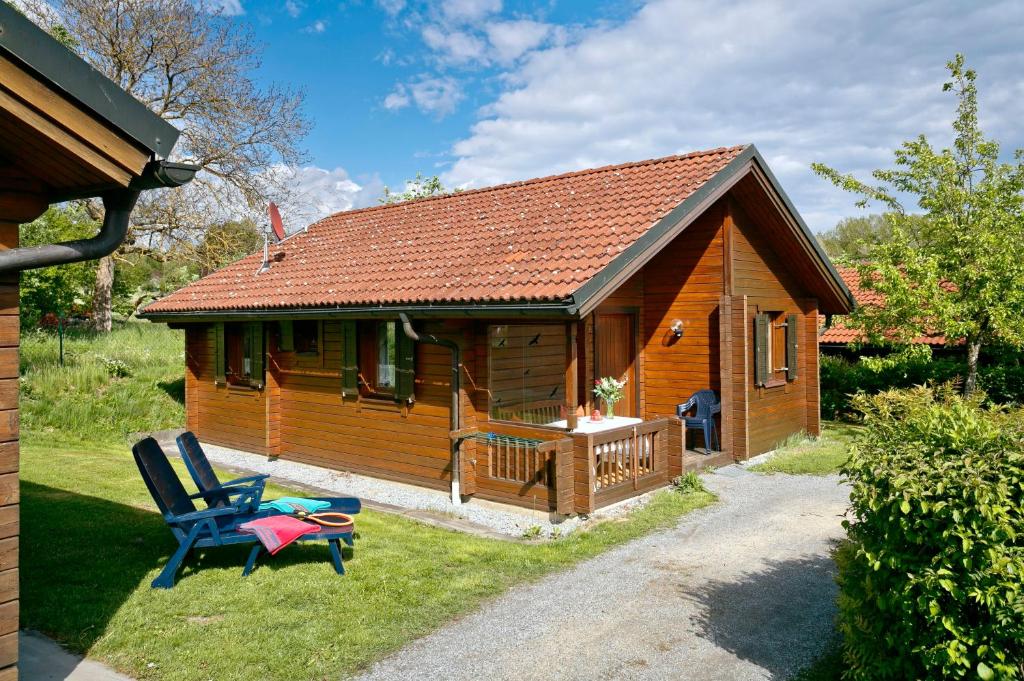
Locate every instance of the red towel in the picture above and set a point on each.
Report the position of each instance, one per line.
(277, 531)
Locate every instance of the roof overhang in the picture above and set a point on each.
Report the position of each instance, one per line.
(563, 310)
(66, 73)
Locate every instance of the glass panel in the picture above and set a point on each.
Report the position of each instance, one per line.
(526, 372)
(386, 350)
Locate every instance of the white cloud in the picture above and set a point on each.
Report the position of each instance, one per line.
(294, 7)
(455, 47)
(227, 8)
(398, 99)
(842, 83)
(511, 39)
(315, 193)
(392, 7)
(469, 11)
(435, 96)
(318, 26)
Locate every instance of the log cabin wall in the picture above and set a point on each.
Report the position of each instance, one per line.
(9, 450)
(376, 437)
(221, 414)
(762, 277)
(685, 282)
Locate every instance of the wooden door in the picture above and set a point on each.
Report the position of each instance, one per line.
(615, 355)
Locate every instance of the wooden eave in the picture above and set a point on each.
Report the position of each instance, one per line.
(66, 131)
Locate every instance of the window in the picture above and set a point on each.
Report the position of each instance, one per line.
(306, 337)
(526, 372)
(377, 357)
(239, 358)
(775, 348)
(238, 354)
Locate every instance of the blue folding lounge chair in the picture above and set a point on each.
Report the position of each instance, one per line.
(707, 405)
(217, 494)
(211, 527)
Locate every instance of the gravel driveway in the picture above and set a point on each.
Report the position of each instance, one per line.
(740, 590)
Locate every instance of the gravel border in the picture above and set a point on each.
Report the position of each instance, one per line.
(505, 519)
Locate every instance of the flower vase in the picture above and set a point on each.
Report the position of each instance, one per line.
(609, 410)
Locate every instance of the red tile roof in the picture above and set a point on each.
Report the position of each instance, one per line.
(841, 334)
(537, 240)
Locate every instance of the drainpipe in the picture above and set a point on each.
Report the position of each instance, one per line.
(456, 419)
(117, 205)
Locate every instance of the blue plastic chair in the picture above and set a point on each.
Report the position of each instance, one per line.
(707, 404)
(217, 494)
(250, 488)
(195, 529)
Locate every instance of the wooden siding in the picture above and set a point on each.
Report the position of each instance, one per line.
(684, 281)
(9, 449)
(762, 276)
(376, 437)
(227, 415)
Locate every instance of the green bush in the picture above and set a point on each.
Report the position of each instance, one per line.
(1001, 377)
(931, 581)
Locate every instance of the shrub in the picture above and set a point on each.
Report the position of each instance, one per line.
(931, 581)
(688, 483)
(1001, 377)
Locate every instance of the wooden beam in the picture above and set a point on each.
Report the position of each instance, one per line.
(571, 373)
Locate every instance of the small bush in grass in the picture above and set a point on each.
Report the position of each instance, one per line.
(931, 581)
(688, 483)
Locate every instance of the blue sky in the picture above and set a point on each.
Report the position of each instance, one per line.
(486, 91)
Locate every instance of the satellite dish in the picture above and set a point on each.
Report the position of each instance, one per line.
(275, 222)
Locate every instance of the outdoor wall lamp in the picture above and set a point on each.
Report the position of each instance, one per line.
(677, 328)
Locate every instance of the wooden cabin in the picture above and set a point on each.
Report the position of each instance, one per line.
(455, 340)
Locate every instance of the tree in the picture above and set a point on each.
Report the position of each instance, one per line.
(193, 67)
(225, 243)
(58, 290)
(852, 238)
(955, 268)
(417, 188)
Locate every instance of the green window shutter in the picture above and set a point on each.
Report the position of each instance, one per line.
(792, 341)
(256, 354)
(220, 374)
(286, 338)
(349, 363)
(762, 327)
(405, 369)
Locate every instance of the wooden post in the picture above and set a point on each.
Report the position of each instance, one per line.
(583, 473)
(195, 342)
(571, 389)
(272, 394)
(727, 379)
(809, 357)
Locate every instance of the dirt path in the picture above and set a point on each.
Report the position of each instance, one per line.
(741, 590)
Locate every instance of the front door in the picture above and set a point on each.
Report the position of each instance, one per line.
(615, 355)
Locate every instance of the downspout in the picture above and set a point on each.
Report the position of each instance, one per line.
(455, 417)
(117, 206)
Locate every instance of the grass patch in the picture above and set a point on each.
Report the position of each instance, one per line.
(803, 455)
(111, 385)
(92, 541)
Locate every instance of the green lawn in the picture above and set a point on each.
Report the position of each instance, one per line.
(802, 455)
(92, 541)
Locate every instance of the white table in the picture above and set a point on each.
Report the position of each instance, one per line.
(585, 425)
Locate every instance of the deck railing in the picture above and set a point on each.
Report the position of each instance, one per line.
(517, 460)
(615, 464)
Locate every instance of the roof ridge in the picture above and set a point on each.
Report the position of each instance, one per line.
(537, 180)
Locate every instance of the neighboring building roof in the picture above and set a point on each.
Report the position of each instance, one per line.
(839, 333)
(550, 241)
(66, 72)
